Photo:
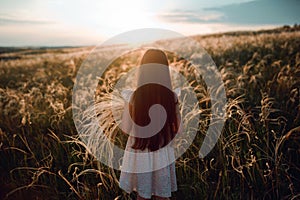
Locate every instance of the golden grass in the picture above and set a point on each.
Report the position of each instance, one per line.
(257, 155)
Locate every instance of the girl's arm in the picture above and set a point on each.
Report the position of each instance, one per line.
(178, 116)
(126, 122)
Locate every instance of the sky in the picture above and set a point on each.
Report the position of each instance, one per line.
(89, 22)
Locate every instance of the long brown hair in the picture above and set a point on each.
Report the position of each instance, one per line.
(152, 93)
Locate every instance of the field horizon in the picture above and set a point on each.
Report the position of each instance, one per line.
(288, 28)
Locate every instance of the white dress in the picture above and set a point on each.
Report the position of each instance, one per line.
(160, 182)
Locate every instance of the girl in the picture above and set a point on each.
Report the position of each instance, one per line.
(153, 87)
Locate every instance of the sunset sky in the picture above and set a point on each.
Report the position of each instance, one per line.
(83, 22)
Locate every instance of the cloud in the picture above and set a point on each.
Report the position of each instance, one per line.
(258, 12)
(191, 16)
(6, 19)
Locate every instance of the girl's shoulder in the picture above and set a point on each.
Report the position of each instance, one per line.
(177, 93)
(127, 94)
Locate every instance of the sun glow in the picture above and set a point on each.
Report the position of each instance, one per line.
(124, 15)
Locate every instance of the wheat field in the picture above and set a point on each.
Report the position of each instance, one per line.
(256, 157)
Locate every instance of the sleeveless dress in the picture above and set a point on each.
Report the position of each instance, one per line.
(160, 182)
(156, 169)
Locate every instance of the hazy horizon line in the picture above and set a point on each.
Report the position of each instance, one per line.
(254, 29)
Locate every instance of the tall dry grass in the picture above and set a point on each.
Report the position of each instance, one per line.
(257, 155)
